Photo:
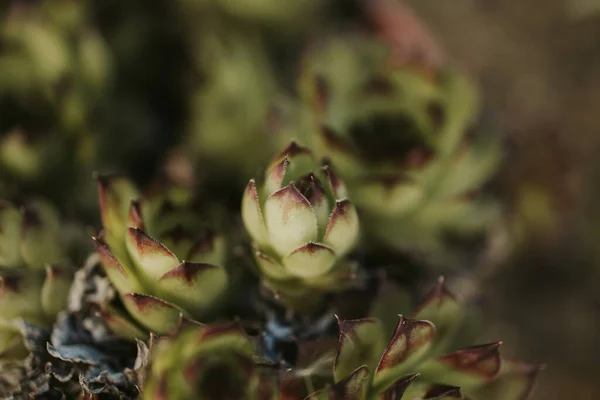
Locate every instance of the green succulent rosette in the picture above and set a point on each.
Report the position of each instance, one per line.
(412, 362)
(35, 275)
(302, 225)
(162, 259)
(401, 137)
(207, 363)
(54, 68)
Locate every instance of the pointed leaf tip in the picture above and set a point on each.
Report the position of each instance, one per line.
(135, 215)
(397, 390)
(109, 261)
(150, 256)
(188, 271)
(442, 391)
(483, 360)
(310, 261)
(275, 175)
(353, 387)
(252, 215)
(343, 229)
(360, 342)
(292, 150)
(409, 343)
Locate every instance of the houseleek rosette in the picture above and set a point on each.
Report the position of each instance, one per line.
(401, 137)
(207, 363)
(413, 364)
(302, 224)
(34, 274)
(160, 256)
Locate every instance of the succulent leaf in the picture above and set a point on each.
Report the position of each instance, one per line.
(290, 220)
(360, 343)
(156, 315)
(409, 344)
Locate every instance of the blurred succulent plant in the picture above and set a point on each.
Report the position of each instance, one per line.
(293, 16)
(34, 272)
(412, 364)
(302, 225)
(54, 68)
(400, 136)
(158, 281)
(207, 362)
(231, 97)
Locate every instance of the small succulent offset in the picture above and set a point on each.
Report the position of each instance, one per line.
(207, 363)
(35, 274)
(401, 138)
(159, 256)
(302, 224)
(413, 363)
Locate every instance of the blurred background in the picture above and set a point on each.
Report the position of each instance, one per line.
(165, 87)
(538, 68)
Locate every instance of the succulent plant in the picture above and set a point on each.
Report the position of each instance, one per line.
(413, 364)
(207, 362)
(159, 255)
(401, 138)
(302, 225)
(34, 272)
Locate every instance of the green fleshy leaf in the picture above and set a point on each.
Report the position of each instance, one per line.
(151, 257)
(194, 287)
(310, 261)
(469, 368)
(423, 390)
(300, 162)
(120, 274)
(271, 268)
(120, 324)
(55, 291)
(515, 381)
(398, 389)
(443, 309)
(155, 314)
(360, 343)
(410, 342)
(343, 229)
(252, 215)
(354, 387)
(290, 220)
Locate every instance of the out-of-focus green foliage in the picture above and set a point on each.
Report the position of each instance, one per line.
(54, 71)
(35, 272)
